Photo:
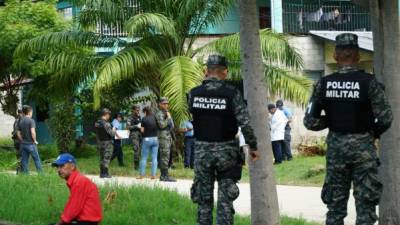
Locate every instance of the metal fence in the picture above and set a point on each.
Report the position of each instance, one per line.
(300, 17)
(118, 30)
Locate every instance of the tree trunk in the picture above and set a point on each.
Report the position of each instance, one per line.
(385, 17)
(264, 200)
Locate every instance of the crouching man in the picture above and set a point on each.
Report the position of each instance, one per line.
(84, 205)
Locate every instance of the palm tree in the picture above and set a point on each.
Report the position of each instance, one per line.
(264, 198)
(158, 51)
(386, 60)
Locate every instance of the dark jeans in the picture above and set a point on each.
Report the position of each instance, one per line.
(78, 223)
(286, 150)
(189, 152)
(277, 150)
(118, 152)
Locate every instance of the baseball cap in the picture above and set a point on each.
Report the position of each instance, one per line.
(279, 103)
(63, 159)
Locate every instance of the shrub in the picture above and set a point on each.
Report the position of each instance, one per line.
(312, 147)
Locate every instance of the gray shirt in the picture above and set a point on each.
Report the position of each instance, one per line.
(24, 126)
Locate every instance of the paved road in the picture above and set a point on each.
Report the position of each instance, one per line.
(294, 201)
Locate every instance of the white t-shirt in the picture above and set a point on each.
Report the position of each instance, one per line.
(278, 123)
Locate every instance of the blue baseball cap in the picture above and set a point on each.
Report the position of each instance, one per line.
(63, 159)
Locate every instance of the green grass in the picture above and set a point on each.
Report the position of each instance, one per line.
(38, 200)
(296, 172)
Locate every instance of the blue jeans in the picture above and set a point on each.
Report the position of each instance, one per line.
(189, 152)
(26, 150)
(149, 144)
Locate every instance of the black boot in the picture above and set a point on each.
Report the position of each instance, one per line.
(165, 177)
(104, 172)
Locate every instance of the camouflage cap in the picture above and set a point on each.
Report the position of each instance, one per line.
(217, 60)
(105, 111)
(163, 100)
(347, 40)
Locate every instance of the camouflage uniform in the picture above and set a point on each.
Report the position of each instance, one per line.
(165, 139)
(352, 157)
(17, 145)
(104, 136)
(221, 161)
(135, 137)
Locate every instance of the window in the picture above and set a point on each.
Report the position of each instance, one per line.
(265, 17)
(66, 12)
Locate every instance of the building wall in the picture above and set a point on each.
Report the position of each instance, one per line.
(311, 50)
(6, 124)
(231, 23)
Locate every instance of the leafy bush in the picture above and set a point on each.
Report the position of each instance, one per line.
(62, 124)
(312, 147)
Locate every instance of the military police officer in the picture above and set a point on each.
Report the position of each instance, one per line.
(165, 124)
(357, 112)
(105, 135)
(218, 110)
(133, 125)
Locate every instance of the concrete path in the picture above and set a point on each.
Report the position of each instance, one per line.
(294, 201)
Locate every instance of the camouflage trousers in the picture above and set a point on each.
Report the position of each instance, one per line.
(215, 161)
(105, 149)
(136, 139)
(18, 155)
(351, 158)
(164, 150)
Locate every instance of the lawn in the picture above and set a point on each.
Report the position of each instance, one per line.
(38, 200)
(301, 171)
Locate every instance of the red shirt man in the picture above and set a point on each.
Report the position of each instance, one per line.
(84, 205)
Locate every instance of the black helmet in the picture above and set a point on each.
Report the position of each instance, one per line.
(217, 60)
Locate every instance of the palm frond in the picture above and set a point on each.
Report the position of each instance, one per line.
(148, 24)
(60, 40)
(105, 13)
(178, 76)
(71, 69)
(123, 65)
(275, 49)
(289, 85)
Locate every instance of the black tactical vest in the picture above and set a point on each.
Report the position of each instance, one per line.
(213, 115)
(101, 131)
(346, 102)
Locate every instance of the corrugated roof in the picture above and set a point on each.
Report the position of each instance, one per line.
(365, 39)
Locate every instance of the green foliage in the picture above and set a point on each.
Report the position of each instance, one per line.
(312, 146)
(19, 21)
(62, 124)
(281, 62)
(158, 51)
(136, 205)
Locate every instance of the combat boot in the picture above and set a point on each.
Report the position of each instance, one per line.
(104, 173)
(165, 177)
